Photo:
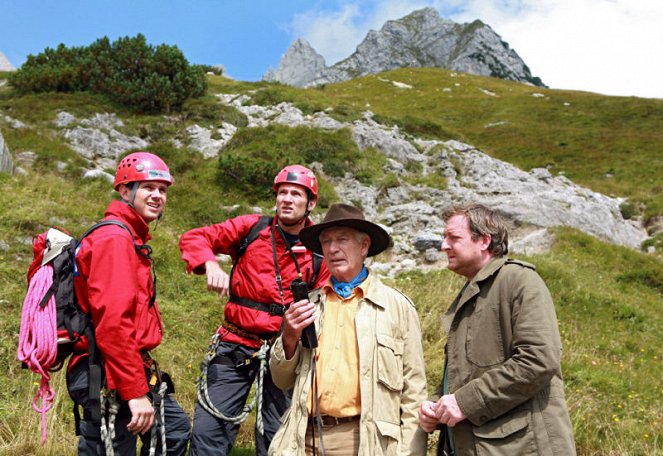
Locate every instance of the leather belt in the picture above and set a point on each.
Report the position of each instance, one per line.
(328, 420)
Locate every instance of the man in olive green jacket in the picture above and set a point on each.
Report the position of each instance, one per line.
(378, 412)
(502, 392)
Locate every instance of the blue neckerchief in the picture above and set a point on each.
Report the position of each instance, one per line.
(344, 289)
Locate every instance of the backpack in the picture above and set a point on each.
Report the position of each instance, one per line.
(51, 320)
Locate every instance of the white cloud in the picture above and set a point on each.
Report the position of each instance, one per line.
(335, 33)
(605, 46)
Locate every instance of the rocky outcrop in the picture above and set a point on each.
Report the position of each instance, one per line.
(97, 138)
(5, 65)
(421, 39)
(532, 201)
(299, 66)
(6, 162)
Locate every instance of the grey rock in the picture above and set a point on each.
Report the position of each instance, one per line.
(420, 39)
(299, 65)
(103, 121)
(14, 123)
(98, 174)
(537, 242)
(26, 159)
(202, 141)
(425, 241)
(6, 162)
(92, 143)
(433, 256)
(64, 119)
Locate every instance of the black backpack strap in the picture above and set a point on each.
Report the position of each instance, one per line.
(141, 249)
(317, 263)
(263, 222)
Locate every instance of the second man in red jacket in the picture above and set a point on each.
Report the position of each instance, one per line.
(259, 292)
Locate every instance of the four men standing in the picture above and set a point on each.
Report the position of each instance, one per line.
(358, 391)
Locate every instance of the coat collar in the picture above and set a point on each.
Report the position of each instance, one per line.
(376, 293)
(472, 287)
(124, 213)
(372, 289)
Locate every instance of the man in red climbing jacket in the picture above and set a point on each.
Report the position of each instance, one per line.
(259, 292)
(114, 284)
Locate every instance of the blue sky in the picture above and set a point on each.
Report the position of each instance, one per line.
(606, 46)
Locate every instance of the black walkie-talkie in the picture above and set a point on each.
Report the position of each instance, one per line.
(299, 292)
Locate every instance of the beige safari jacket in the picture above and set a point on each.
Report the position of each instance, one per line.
(392, 383)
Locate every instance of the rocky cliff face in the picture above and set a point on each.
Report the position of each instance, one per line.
(421, 39)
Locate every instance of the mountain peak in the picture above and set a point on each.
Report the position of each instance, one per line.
(420, 39)
(299, 65)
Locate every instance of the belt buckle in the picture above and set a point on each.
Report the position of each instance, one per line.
(276, 309)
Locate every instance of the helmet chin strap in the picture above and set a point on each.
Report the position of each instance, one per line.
(132, 196)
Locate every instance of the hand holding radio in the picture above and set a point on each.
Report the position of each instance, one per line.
(299, 292)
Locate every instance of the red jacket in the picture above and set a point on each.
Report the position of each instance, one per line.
(254, 277)
(115, 284)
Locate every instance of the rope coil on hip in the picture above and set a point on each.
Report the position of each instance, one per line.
(160, 422)
(203, 394)
(109, 403)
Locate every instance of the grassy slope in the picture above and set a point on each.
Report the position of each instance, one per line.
(607, 297)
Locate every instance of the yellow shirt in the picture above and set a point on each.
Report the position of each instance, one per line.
(337, 355)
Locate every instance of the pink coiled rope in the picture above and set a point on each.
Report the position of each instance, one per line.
(38, 340)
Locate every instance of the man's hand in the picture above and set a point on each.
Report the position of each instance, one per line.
(299, 315)
(448, 412)
(142, 415)
(427, 416)
(217, 279)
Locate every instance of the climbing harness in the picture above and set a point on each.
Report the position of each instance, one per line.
(203, 394)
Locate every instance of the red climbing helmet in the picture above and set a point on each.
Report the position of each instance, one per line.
(299, 175)
(141, 166)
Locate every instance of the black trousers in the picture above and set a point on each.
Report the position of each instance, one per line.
(178, 427)
(229, 387)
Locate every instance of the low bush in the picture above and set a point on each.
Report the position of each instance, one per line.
(252, 158)
(129, 71)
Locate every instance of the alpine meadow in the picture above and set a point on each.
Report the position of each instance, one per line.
(608, 297)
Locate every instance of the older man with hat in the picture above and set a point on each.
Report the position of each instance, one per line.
(359, 391)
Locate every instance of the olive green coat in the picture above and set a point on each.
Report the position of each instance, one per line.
(503, 355)
(392, 380)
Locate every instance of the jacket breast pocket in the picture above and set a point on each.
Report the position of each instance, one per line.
(390, 362)
(484, 342)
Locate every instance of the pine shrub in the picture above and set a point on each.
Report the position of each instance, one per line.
(129, 71)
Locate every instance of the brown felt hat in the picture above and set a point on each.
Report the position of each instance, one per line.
(344, 215)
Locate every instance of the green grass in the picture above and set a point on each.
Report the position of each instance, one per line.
(608, 298)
